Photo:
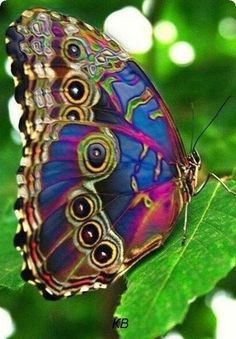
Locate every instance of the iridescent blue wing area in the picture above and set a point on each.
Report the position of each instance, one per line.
(137, 105)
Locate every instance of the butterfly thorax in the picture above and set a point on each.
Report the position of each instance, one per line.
(188, 175)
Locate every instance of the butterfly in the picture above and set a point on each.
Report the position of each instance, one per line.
(104, 173)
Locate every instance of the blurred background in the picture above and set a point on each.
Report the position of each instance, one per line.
(188, 48)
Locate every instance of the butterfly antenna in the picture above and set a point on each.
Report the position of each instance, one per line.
(211, 121)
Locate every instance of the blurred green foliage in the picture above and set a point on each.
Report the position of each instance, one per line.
(205, 84)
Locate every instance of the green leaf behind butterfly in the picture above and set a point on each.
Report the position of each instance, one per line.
(161, 288)
(10, 260)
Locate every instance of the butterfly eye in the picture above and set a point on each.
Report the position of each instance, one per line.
(196, 156)
(104, 254)
(81, 208)
(89, 234)
(76, 90)
(96, 154)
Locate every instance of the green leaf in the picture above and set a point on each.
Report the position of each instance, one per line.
(10, 260)
(161, 288)
(204, 327)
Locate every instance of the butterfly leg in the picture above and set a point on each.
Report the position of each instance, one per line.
(222, 183)
(213, 175)
(184, 237)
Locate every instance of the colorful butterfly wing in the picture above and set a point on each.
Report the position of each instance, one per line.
(50, 233)
(98, 183)
(146, 180)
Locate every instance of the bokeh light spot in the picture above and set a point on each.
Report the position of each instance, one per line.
(224, 307)
(15, 112)
(130, 28)
(165, 31)
(173, 335)
(8, 66)
(7, 326)
(227, 28)
(182, 53)
(147, 6)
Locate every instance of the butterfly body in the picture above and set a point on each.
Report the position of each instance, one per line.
(104, 174)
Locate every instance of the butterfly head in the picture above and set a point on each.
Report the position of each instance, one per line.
(195, 158)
